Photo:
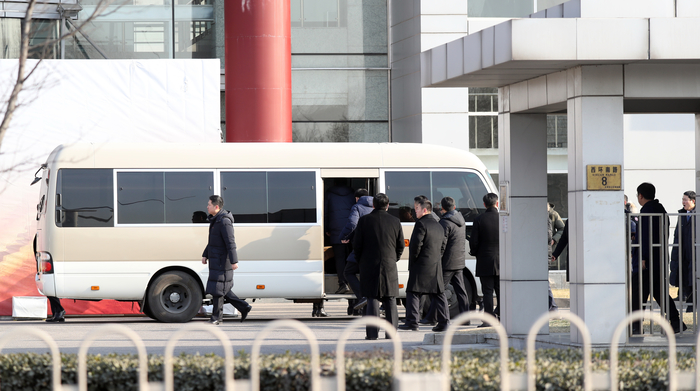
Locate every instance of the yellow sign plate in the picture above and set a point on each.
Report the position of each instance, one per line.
(604, 177)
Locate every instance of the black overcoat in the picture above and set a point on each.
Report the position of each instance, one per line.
(221, 252)
(483, 243)
(425, 251)
(456, 233)
(378, 244)
(687, 243)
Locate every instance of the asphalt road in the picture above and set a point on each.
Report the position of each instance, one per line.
(155, 335)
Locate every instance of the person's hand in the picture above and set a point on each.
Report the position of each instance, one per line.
(644, 265)
(234, 266)
(204, 260)
(346, 241)
(554, 259)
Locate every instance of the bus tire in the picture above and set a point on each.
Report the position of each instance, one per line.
(174, 297)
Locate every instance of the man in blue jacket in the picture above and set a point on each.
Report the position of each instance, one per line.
(363, 206)
(223, 260)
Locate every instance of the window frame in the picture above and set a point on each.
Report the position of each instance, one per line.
(115, 174)
(318, 189)
(382, 180)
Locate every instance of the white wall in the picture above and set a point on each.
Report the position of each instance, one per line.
(660, 148)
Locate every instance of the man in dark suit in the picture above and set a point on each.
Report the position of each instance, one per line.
(223, 260)
(426, 247)
(483, 244)
(651, 231)
(453, 223)
(378, 245)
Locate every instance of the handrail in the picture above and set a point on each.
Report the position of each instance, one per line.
(170, 348)
(502, 339)
(112, 328)
(46, 337)
(578, 322)
(306, 332)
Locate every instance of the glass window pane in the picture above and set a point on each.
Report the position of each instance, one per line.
(195, 39)
(402, 187)
(86, 198)
(484, 131)
(472, 132)
(245, 196)
(339, 26)
(141, 197)
(562, 131)
(291, 197)
(467, 189)
(354, 132)
(340, 96)
(185, 194)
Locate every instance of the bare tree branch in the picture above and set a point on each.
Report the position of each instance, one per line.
(24, 50)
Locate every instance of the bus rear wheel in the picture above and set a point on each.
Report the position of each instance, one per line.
(174, 297)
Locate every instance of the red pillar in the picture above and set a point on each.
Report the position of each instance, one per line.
(258, 71)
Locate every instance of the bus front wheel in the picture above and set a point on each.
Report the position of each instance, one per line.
(174, 297)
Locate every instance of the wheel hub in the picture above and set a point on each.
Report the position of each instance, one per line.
(174, 297)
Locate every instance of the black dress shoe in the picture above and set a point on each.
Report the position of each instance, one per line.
(342, 289)
(322, 313)
(360, 304)
(244, 313)
(371, 338)
(439, 329)
(483, 325)
(214, 322)
(427, 322)
(57, 317)
(407, 327)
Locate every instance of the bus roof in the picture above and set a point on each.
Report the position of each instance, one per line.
(261, 155)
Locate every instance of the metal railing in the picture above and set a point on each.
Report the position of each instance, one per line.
(648, 233)
(600, 380)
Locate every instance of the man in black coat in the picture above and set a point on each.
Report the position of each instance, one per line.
(683, 238)
(483, 244)
(223, 260)
(454, 225)
(378, 244)
(650, 232)
(425, 248)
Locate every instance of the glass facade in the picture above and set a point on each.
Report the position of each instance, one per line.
(136, 29)
(340, 71)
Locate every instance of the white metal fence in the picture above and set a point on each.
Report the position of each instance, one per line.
(401, 381)
(650, 233)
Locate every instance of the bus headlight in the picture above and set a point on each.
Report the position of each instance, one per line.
(44, 262)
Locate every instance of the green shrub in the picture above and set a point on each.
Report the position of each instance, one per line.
(558, 369)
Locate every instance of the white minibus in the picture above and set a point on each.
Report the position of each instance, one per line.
(127, 221)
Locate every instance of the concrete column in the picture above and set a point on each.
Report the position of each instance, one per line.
(596, 226)
(522, 141)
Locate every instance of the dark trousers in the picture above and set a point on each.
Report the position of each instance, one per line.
(390, 311)
(352, 269)
(490, 284)
(456, 279)
(413, 308)
(656, 285)
(55, 304)
(340, 253)
(217, 312)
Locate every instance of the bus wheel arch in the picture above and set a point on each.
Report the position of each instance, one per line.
(470, 285)
(174, 295)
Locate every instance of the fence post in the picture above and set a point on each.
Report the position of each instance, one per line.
(53, 347)
(305, 331)
(502, 341)
(635, 316)
(170, 347)
(581, 325)
(112, 328)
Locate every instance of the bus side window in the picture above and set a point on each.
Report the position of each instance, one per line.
(84, 198)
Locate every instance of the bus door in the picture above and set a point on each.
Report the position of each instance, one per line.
(339, 188)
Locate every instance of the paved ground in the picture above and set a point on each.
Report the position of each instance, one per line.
(155, 335)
